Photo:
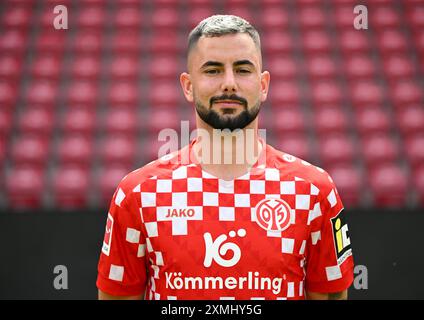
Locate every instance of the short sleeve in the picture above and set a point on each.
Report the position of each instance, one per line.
(122, 265)
(329, 261)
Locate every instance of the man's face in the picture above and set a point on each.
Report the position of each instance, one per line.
(225, 80)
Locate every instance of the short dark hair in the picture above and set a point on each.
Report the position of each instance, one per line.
(218, 25)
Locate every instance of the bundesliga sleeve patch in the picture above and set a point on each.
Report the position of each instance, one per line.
(108, 235)
(342, 244)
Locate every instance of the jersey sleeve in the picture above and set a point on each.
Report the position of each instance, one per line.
(329, 262)
(122, 267)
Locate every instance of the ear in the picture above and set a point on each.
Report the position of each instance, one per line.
(186, 85)
(265, 78)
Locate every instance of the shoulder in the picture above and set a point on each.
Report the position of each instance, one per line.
(161, 167)
(300, 169)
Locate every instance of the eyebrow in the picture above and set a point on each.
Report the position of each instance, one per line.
(220, 64)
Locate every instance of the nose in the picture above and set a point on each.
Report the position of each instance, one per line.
(229, 82)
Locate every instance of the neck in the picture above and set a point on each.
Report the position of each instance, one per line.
(227, 154)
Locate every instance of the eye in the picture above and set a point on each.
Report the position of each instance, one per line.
(245, 71)
(212, 71)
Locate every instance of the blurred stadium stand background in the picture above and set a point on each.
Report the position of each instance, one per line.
(80, 108)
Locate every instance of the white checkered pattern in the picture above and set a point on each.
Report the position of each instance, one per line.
(332, 198)
(226, 214)
(116, 272)
(287, 245)
(333, 273)
(120, 195)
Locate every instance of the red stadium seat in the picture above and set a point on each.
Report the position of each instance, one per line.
(118, 150)
(283, 68)
(321, 67)
(160, 119)
(85, 67)
(293, 119)
(10, 67)
(349, 182)
(366, 93)
(82, 93)
(372, 120)
(384, 17)
(316, 41)
(123, 94)
(410, 120)
(359, 67)
(343, 17)
(8, 95)
(122, 121)
(327, 150)
(414, 18)
(30, 150)
(47, 18)
(198, 13)
(36, 121)
(312, 17)
(164, 68)
(25, 186)
(398, 67)
(79, 121)
(168, 42)
(274, 19)
(13, 41)
(414, 149)
(165, 19)
(326, 93)
(284, 93)
(42, 94)
(379, 149)
(71, 187)
(277, 43)
(128, 18)
(392, 41)
(87, 41)
(125, 68)
(46, 67)
(16, 17)
(126, 42)
(75, 150)
(295, 144)
(108, 181)
(91, 17)
(406, 93)
(389, 185)
(51, 42)
(353, 42)
(164, 95)
(330, 120)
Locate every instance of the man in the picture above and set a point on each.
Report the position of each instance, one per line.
(203, 224)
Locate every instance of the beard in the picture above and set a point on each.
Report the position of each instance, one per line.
(226, 120)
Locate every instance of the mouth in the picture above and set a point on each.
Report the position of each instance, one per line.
(228, 103)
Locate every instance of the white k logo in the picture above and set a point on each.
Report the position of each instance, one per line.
(215, 250)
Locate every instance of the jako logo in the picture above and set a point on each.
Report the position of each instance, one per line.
(215, 250)
(273, 214)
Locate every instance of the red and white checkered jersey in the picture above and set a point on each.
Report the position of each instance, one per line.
(174, 231)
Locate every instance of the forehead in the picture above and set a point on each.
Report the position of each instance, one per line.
(225, 48)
